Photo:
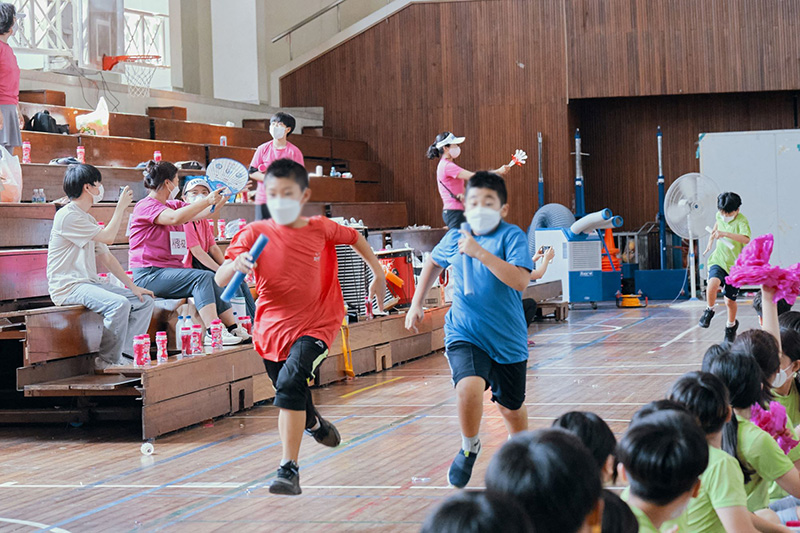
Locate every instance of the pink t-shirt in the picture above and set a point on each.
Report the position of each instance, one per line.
(198, 232)
(266, 154)
(9, 76)
(446, 173)
(149, 242)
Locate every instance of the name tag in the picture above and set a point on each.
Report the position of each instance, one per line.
(177, 243)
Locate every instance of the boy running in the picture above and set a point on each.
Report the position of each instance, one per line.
(485, 332)
(300, 306)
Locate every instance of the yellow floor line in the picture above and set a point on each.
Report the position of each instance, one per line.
(370, 387)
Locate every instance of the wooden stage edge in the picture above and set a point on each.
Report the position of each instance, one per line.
(182, 393)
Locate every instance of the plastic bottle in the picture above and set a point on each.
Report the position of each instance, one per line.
(161, 345)
(216, 335)
(138, 351)
(186, 342)
(103, 277)
(42, 197)
(178, 326)
(146, 339)
(197, 340)
(26, 151)
(35, 196)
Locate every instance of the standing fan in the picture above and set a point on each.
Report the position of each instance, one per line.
(690, 206)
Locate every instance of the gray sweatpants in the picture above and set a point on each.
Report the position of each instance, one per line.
(124, 316)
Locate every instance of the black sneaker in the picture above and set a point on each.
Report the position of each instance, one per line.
(461, 468)
(288, 480)
(326, 434)
(730, 332)
(705, 320)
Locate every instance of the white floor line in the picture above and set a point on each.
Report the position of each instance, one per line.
(676, 338)
(37, 525)
(220, 485)
(485, 417)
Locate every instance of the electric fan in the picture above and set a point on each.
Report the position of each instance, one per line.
(689, 206)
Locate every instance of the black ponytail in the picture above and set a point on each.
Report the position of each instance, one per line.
(763, 347)
(157, 173)
(433, 151)
(730, 445)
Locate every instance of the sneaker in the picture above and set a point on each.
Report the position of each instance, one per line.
(288, 480)
(227, 339)
(326, 434)
(461, 469)
(705, 320)
(730, 332)
(101, 365)
(240, 332)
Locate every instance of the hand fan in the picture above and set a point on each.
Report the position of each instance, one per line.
(227, 173)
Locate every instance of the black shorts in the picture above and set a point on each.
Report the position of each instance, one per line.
(507, 381)
(731, 292)
(453, 218)
(292, 376)
(262, 212)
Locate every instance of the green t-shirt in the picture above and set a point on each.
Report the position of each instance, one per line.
(721, 486)
(722, 255)
(792, 404)
(646, 525)
(758, 449)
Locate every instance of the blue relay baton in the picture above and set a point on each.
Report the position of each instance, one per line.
(467, 265)
(238, 277)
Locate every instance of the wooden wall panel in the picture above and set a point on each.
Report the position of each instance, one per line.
(493, 71)
(620, 136)
(646, 47)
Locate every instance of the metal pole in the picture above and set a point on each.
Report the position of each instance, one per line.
(662, 227)
(580, 206)
(338, 19)
(289, 38)
(541, 174)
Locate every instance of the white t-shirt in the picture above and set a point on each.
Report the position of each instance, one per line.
(71, 251)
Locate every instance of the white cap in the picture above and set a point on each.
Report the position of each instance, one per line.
(194, 182)
(450, 139)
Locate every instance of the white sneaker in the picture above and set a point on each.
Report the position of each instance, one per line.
(241, 333)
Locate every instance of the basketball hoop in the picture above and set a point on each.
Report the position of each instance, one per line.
(138, 70)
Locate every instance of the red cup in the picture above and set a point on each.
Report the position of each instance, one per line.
(81, 154)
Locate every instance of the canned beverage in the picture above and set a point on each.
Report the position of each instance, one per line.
(216, 335)
(197, 339)
(81, 154)
(223, 140)
(157, 156)
(221, 228)
(26, 151)
(186, 342)
(247, 324)
(161, 345)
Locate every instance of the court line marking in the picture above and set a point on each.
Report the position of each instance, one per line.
(610, 330)
(209, 485)
(678, 337)
(485, 417)
(370, 387)
(31, 524)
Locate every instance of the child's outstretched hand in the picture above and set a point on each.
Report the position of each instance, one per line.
(413, 317)
(468, 245)
(244, 263)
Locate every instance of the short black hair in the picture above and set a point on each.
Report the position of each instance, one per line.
(7, 15)
(288, 169)
(484, 179)
(617, 515)
(551, 474)
(712, 352)
(76, 176)
(477, 512)
(593, 432)
(654, 407)
(790, 343)
(783, 305)
(705, 396)
(286, 119)
(790, 320)
(663, 456)
(728, 202)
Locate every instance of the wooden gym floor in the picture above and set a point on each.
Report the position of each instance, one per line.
(399, 434)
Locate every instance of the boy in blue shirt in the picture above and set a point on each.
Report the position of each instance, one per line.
(486, 336)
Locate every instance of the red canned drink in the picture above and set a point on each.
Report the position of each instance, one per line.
(247, 324)
(161, 345)
(81, 154)
(197, 339)
(157, 156)
(223, 140)
(186, 342)
(26, 151)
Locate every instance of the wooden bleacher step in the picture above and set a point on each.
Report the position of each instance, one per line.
(86, 385)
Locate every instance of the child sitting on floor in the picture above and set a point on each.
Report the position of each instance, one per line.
(477, 512)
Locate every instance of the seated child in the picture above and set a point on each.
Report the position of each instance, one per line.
(734, 227)
(617, 516)
(662, 456)
(553, 476)
(76, 242)
(721, 504)
(203, 252)
(595, 434)
(477, 512)
(300, 306)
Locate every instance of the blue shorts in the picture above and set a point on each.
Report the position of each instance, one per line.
(716, 271)
(507, 381)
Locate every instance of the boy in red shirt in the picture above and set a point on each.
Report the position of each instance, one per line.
(300, 306)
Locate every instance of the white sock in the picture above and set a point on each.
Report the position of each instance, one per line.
(730, 324)
(286, 461)
(471, 444)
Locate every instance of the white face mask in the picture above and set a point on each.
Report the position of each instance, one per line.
(277, 132)
(174, 192)
(780, 379)
(97, 198)
(284, 210)
(483, 220)
(198, 198)
(455, 151)
(728, 219)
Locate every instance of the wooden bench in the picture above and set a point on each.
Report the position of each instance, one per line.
(210, 134)
(48, 146)
(548, 299)
(376, 215)
(43, 96)
(420, 240)
(119, 124)
(128, 152)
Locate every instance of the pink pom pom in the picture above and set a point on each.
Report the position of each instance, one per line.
(774, 423)
(752, 268)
